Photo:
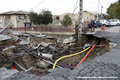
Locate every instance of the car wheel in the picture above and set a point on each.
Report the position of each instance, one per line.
(118, 24)
(104, 25)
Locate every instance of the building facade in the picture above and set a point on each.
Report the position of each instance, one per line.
(87, 16)
(19, 17)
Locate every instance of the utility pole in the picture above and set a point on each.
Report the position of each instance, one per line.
(101, 12)
(80, 26)
(98, 11)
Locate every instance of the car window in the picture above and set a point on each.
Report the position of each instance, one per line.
(115, 20)
(111, 20)
(101, 20)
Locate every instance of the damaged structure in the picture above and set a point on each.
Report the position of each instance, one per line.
(35, 55)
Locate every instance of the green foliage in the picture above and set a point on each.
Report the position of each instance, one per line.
(45, 17)
(57, 17)
(66, 21)
(114, 10)
(33, 17)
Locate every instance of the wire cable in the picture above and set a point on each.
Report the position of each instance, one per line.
(69, 56)
(38, 4)
(75, 6)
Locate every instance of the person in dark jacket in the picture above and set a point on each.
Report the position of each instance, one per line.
(92, 25)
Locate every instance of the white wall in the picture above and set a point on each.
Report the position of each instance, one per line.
(1, 23)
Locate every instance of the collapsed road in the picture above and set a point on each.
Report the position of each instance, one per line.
(104, 66)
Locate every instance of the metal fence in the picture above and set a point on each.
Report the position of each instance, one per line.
(47, 28)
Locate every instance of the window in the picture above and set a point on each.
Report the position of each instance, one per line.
(87, 17)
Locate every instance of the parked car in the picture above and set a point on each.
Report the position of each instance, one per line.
(97, 24)
(114, 22)
(105, 22)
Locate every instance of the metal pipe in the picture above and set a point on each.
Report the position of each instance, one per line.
(44, 58)
(6, 26)
(26, 70)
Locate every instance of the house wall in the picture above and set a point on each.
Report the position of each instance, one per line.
(21, 21)
(4, 20)
(1, 23)
(16, 23)
(87, 16)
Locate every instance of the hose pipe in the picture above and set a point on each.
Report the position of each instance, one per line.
(69, 56)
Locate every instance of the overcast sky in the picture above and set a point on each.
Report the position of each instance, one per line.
(55, 6)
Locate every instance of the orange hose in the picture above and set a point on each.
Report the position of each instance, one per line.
(85, 56)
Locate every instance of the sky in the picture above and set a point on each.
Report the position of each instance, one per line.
(57, 7)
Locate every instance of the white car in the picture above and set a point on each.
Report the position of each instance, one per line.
(105, 22)
(114, 22)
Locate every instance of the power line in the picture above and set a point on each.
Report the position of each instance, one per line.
(38, 4)
(75, 6)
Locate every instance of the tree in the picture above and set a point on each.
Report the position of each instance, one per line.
(33, 17)
(66, 21)
(57, 18)
(45, 17)
(118, 10)
(114, 10)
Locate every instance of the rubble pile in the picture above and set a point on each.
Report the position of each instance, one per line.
(38, 52)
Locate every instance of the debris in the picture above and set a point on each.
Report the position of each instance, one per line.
(86, 45)
(4, 37)
(42, 64)
(24, 42)
(45, 48)
(112, 45)
(9, 51)
(50, 56)
(40, 35)
(68, 40)
(17, 33)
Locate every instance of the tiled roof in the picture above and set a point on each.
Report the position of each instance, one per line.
(14, 12)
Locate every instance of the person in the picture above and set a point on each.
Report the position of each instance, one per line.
(92, 25)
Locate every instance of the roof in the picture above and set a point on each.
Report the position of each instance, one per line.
(15, 12)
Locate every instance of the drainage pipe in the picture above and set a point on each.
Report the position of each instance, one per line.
(85, 56)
